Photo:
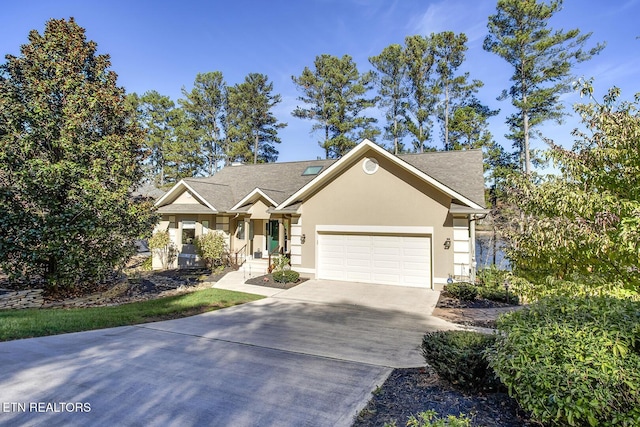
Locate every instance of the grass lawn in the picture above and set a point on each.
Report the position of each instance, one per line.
(16, 324)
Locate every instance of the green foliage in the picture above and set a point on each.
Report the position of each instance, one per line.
(70, 155)
(252, 128)
(463, 291)
(458, 357)
(286, 276)
(391, 74)
(576, 286)
(541, 58)
(161, 246)
(492, 285)
(173, 147)
(211, 247)
(573, 360)
(335, 92)
(585, 220)
(281, 263)
(205, 106)
(147, 264)
(430, 419)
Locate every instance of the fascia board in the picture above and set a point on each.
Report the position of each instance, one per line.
(379, 150)
(248, 197)
(175, 189)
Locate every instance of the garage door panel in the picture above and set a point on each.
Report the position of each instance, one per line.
(384, 259)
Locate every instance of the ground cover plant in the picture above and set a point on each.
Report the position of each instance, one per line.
(16, 324)
(573, 360)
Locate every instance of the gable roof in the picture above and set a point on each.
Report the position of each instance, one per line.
(456, 173)
(446, 167)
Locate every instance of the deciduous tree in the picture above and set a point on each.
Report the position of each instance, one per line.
(586, 219)
(70, 153)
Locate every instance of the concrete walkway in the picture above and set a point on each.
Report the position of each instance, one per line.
(310, 355)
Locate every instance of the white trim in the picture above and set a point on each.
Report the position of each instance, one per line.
(366, 144)
(188, 187)
(375, 229)
(248, 197)
(374, 162)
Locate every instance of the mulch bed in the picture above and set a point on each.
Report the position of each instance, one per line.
(268, 281)
(412, 390)
(409, 391)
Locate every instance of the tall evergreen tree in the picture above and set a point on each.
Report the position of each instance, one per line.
(252, 126)
(205, 106)
(182, 150)
(336, 95)
(468, 126)
(155, 112)
(70, 155)
(420, 67)
(391, 69)
(453, 89)
(542, 60)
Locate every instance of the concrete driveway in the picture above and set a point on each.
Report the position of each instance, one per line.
(307, 356)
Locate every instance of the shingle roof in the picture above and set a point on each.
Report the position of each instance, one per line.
(231, 184)
(461, 171)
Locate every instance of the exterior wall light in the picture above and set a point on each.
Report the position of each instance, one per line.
(447, 243)
(303, 238)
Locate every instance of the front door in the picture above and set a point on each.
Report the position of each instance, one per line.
(272, 236)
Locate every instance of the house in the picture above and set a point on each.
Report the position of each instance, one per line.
(369, 216)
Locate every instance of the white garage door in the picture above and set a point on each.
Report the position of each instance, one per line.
(384, 259)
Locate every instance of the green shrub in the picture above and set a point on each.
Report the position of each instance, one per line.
(492, 276)
(211, 247)
(458, 357)
(161, 245)
(498, 294)
(430, 419)
(573, 360)
(462, 290)
(286, 276)
(575, 286)
(147, 264)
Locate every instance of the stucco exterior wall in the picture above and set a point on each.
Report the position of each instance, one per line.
(389, 197)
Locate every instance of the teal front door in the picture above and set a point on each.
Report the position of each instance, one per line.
(272, 236)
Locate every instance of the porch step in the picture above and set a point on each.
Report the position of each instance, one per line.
(255, 267)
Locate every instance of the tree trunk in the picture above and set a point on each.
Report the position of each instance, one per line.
(255, 149)
(446, 118)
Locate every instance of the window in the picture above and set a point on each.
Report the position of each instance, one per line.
(312, 170)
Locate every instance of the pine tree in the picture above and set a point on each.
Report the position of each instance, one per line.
(205, 106)
(336, 95)
(252, 126)
(542, 60)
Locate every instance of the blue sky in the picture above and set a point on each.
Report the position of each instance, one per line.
(162, 45)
